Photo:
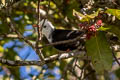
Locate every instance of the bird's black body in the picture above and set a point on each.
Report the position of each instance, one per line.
(61, 35)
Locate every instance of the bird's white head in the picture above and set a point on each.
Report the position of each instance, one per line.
(47, 29)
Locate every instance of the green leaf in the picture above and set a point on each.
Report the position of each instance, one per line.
(85, 17)
(103, 28)
(115, 12)
(99, 51)
(80, 16)
(91, 16)
(113, 29)
(44, 3)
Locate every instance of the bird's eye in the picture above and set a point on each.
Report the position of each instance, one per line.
(45, 26)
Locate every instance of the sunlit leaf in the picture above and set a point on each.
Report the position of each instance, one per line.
(44, 3)
(85, 17)
(19, 12)
(25, 4)
(29, 22)
(103, 28)
(26, 16)
(8, 20)
(115, 12)
(1, 49)
(52, 5)
(94, 14)
(3, 2)
(56, 16)
(80, 16)
(99, 51)
(33, 4)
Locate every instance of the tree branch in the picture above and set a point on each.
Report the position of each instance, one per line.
(12, 26)
(80, 54)
(14, 36)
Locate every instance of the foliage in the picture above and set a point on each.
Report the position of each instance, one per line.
(99, 21)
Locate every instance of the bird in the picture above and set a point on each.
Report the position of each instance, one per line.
(56, 35)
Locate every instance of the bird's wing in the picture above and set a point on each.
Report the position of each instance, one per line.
(61, 35)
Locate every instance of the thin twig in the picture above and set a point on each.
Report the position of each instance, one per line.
(13, 36)
(115, 58)
(38, 51)
(91, 72)
(75, 62)
(9, 36)
(64, 42)
(83, 69)
(48, 7)
(73, 72)
(39, 27)
(112, 48)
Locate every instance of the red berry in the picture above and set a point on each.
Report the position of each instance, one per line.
(92, 28)
(99, 22)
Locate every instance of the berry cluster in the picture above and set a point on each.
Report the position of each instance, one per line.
(91, 29)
